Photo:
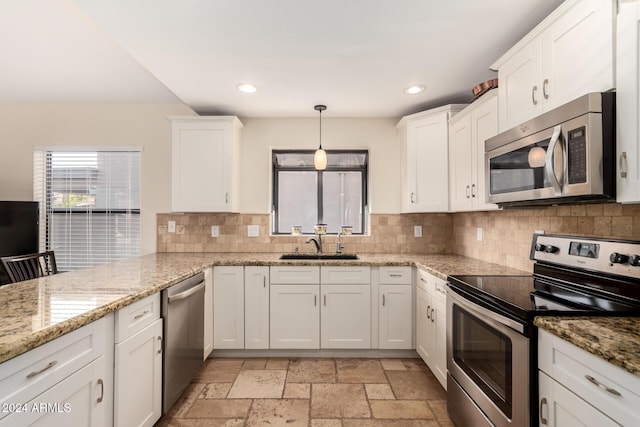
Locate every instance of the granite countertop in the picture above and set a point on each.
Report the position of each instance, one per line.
(614, 339)
(37, 311)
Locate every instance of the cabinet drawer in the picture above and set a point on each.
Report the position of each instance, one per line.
(26, 376)
(295, 275)
(581, 372)
(348, 275)
(432, 284)
(395, 275)
(137, 316)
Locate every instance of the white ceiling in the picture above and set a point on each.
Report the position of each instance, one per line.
(355, 56)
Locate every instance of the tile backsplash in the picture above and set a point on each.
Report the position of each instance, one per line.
(388, 234)
(506, 233)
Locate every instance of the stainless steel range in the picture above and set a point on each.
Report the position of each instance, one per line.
(491, 339)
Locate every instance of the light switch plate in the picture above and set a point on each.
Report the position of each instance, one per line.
(417, 231)
(479, 234)
(215, 231)
(171, 227)
(253, 230)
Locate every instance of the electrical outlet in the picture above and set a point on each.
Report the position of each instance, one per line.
(253, 230)
(171, 227)
(479, 234)
(417, 231)
(215, 231)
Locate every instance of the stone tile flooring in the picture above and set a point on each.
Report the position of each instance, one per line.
(312, 393)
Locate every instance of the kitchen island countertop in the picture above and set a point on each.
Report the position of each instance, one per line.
(614, 339)
(37, 311)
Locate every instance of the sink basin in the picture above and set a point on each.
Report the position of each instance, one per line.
(321, 256)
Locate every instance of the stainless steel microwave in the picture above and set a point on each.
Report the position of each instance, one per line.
(566, 155)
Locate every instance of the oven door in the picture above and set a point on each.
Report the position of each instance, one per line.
(488, 363)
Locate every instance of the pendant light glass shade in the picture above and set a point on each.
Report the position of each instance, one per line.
(320, 157)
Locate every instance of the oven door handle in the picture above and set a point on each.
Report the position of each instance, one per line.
(483, 313)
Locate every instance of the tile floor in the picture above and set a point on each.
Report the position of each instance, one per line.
(312, 393)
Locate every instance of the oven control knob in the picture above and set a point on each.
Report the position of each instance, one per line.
(634, 260)
(551, 249)
(540, 247)
(618, 258)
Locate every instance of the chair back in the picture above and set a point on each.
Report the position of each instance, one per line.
(31, 266)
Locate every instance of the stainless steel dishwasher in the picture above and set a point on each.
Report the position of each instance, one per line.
(183, 314)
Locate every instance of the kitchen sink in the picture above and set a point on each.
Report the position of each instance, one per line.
(320, 256)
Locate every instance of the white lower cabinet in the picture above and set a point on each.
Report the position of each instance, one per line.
(228, 307)
(579, 388)
(395, 317)
(431, 324)
(256, 307)
(138, 378)
(346, 316)
(295, 316)
(208, 312)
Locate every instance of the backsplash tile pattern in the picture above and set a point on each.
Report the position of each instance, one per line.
(389, 234)
(506, 233)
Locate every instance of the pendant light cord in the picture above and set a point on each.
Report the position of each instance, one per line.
(320, 129)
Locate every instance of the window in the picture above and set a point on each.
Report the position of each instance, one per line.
(304, 196)
(90, 204)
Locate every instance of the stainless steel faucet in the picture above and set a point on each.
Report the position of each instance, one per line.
(316, 241)
(339, 245)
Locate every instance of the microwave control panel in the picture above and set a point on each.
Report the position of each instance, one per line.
(577, 155)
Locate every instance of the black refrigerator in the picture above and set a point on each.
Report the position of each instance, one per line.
(19, 230)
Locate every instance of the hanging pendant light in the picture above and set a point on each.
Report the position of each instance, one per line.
(320, 157)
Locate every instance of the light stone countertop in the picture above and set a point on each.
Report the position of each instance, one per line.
(37, 311)
(614, 339)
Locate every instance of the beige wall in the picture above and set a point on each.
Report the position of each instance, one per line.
(22, 127)
(379, 136)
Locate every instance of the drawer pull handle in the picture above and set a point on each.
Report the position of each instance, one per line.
(432, 318)
(395, 275)
(602, 386)
(467, 192)
(623, 164)
(264, 281)
(315, 300)
(473, 190)
(49, 366)
(428, 312)
(533, 95)
(144, 313)
(161, 349)
(422, 280)
(545, 85)
(543, 403)
(101, 384)
(325, 299)
(384, 301)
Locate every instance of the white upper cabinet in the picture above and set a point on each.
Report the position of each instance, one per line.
(469, 129)
(205, 164)
(627, 99)
(424, 143)
(568, 54)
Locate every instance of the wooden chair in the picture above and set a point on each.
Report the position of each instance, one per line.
(31, 266)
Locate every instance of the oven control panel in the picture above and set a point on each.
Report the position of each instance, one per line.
(621, 257)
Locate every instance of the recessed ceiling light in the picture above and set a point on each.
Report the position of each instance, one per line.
(414, 90)
(247, 88)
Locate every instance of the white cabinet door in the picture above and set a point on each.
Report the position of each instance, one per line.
(424, 335)
(519, 86)
(228, 307)
(578, 53)
(204, 173)
(460, 157)
(395, 316)
(484, 125)
(78, 400)
(346, 316)
(439, 321)
(256, 307)
(138, 378)
(559, 407)
(208, 312)
(295, 316)
(627, 103)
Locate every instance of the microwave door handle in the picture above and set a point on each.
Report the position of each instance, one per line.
(549, 163)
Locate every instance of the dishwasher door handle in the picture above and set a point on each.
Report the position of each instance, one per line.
(187, 293)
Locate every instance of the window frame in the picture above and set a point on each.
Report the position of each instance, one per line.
(364, 170)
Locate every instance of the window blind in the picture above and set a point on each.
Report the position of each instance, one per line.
(91, 204)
